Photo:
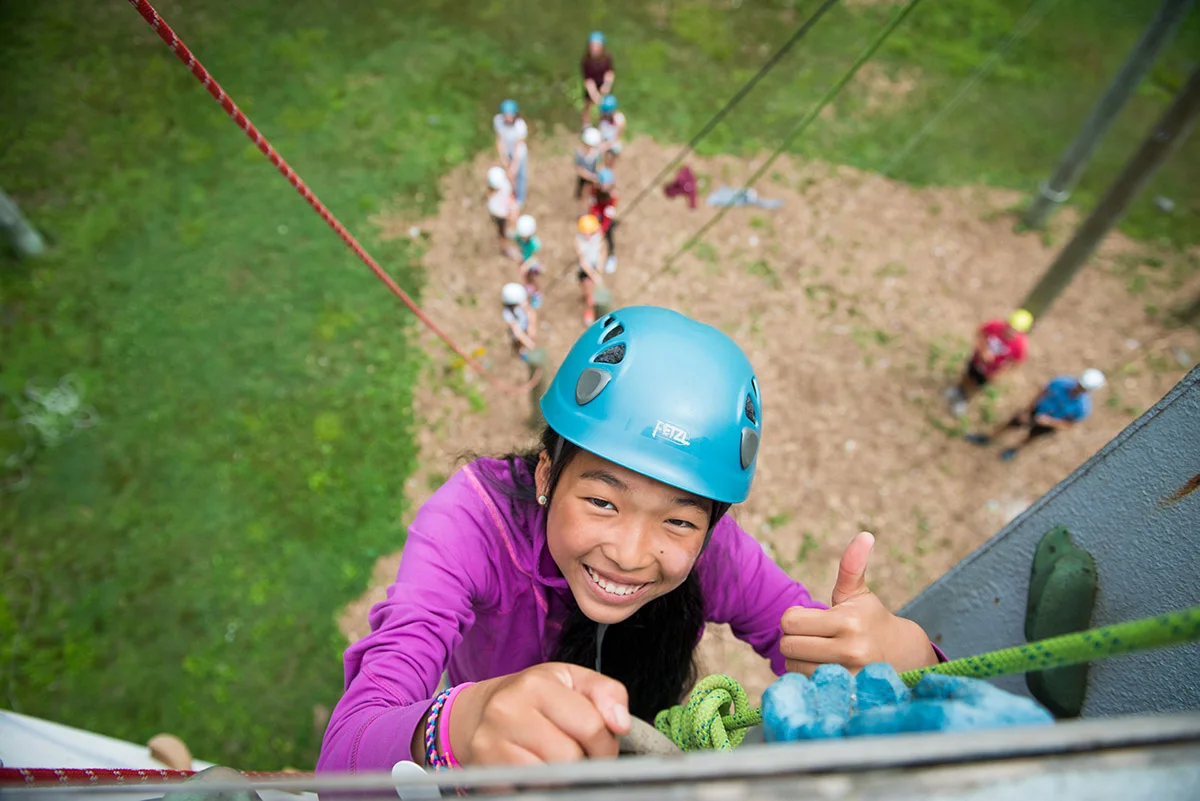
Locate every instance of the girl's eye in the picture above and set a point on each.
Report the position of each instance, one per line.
(600, 503)
(681, 523)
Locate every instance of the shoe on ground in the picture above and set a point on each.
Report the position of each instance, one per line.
(610, 266)
(959, 408)
(589, 316)
(1008, 454)
(978, 439)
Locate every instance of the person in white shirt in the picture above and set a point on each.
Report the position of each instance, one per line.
(590, 251)
(511, 133)
(587, 164)
(520, 319)
(502, 205)
(612, 129)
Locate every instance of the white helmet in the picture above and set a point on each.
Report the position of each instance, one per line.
(592, 137)
(1091, 379)
(513, 294)
(497, 178)
(526, 226)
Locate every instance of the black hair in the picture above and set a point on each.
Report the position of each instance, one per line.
(652, 651)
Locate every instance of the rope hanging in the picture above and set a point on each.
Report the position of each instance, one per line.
(242, 121)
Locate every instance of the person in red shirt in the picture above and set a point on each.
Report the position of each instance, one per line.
(604, 209)
(598, 75)
(999, 345)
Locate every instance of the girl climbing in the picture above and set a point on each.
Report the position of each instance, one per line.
(527, 258)
(502, 205)
(511, 133)
(604, 209)
(565, 589)
(598, 75)
(612, 129)
(589, 252)
(520, 319)
(587, 165)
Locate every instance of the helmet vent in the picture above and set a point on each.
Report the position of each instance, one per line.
(750, 410)
(609, 320)
(754, 386)
(591, 382)
(616, 332)
(611, 355)
(749, 447)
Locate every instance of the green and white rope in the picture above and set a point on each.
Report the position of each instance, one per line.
(718, 711)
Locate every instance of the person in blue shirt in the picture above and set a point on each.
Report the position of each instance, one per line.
(1061, 404)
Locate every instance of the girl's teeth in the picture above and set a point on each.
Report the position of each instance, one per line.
(608, 586)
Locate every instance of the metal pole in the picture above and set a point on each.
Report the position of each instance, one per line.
(23, 237)
(1054, 192)
(1163, 140)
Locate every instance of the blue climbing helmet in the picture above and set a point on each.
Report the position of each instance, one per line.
(665, 396)
(596, 36)
(508, 107)
(605, 176)
(608, 104)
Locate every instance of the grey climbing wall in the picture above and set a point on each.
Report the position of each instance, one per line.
(1126, 505)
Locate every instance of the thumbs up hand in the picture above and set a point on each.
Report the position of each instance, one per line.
(857, 630)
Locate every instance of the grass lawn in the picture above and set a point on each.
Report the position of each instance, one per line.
(178, 566)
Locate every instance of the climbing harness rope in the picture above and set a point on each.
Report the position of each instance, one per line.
(796, 130)
(197, 69)
(1030, 20)
(717, 711)
(738, 96)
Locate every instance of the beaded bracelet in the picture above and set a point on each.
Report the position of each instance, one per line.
(433, 758)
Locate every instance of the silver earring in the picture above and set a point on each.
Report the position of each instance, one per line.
(542, 500)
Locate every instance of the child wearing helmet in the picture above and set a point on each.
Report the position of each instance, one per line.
(612, 128)
(529, 263)
(502, 205)
(511, 134)
(587, 165)
(999, 345)
(520, 318)
(604, 209)
(565, 589)
(598, 75)
(1062, 404)
(590, 253)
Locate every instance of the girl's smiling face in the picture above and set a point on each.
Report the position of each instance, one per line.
(620, 539)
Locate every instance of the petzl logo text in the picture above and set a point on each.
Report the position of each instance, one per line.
(674, 433)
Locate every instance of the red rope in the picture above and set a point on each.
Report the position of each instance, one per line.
(208, 82)
(110, 776)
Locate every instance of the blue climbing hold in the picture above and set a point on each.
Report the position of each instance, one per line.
(788, 705)
(879, 685)
(875, 702)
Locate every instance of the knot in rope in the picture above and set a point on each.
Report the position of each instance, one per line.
(715, 717)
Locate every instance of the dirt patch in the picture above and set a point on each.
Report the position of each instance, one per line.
(881, 91)
(855, 300)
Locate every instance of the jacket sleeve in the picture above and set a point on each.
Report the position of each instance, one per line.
(744, 587)
(392, 674)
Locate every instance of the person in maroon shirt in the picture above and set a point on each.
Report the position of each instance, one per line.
(598, 76)
(999, 344)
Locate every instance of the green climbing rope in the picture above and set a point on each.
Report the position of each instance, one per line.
(718, 711)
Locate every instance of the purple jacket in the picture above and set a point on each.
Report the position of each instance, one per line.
(479, 593)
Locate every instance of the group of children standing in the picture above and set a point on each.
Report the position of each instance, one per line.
(595, 192)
